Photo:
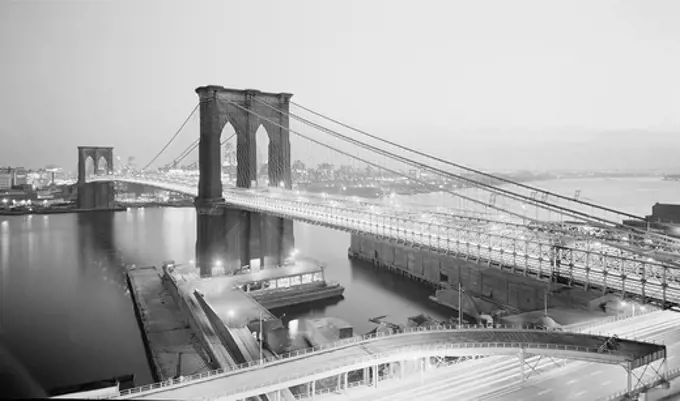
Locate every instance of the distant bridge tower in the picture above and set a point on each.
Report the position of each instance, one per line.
(95, 195)
(228, 236)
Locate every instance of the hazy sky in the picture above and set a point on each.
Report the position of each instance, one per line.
(465, 79)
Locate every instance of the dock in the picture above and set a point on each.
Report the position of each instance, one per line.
(171, 345)
(236, 307)
(241, 299)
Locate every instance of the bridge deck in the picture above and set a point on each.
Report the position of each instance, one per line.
(289, 372)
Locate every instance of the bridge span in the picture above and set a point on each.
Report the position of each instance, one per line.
(401, 350)
(580, 261)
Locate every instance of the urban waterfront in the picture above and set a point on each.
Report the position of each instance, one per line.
(66, 314)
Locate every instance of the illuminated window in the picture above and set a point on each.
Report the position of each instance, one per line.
(295, 280)
(318, 277)
(306, 278)
(283, 282)
(272, 284)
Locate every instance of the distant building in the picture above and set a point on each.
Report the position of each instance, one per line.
(20, 177)
(6, 180)
(665, 213)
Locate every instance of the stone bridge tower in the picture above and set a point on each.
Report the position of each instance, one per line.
(229, 237)
(95, 195)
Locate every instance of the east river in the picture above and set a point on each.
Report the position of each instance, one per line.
(66, 313)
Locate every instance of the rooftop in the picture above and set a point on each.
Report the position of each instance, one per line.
(234, 307)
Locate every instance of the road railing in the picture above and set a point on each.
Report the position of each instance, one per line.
(285, 381)
(329, 347)
(585, 326)
(359, 383)
(643, 387)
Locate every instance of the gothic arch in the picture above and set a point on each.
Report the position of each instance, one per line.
(96, 153)
(245, 112)
(90, 166)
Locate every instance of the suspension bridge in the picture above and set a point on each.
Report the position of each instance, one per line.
(479, 215)
(476, 216)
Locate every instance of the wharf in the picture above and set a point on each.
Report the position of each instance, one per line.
(171, 345)
(237, 305)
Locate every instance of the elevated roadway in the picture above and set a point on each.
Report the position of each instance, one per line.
(500, 377)
(507, 245)
(408, 346)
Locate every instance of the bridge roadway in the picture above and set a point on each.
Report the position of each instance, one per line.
(499, 377)
(411, 345)
(590, 263)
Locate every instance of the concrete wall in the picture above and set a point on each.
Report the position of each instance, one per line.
(486, 282)
(99, 393)
(172, 287)
(222, 331)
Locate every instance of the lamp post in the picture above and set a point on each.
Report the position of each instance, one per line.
(460, 304)
(261, 336)
(230, 313)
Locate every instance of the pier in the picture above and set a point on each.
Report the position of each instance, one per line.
(192, 325)
(171, 345)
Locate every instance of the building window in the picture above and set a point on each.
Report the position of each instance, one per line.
(295, 280)
(283, 282)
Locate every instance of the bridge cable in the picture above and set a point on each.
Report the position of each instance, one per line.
(470, 169)
(196, 162)
(185, 152)
(489, 187)
(579, 215)
(173, 137)
(425, 183)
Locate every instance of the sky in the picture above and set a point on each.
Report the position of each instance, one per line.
(494, 84)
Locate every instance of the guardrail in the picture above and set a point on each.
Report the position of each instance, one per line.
(348, 342)
(625, 394)
(581, 327)
(359, 383)
(376, 358)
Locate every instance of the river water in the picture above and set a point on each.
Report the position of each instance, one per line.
(66, 314)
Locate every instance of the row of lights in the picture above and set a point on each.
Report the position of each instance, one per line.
(22, 202)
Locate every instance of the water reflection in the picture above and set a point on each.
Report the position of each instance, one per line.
(61, 319)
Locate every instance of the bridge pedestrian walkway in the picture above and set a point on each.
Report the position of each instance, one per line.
(479, 242)
(443, 341)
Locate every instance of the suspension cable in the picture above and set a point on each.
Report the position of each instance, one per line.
(173, 137)
(470, 169)
(518, 197)
(425, 183)
(221, 144)
(583, 216)
(559, 229)
(186, 152)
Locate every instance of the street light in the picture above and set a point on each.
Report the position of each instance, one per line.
(261, 336)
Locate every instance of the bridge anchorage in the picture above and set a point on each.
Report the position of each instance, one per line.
(95, 161)
(230, 238)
